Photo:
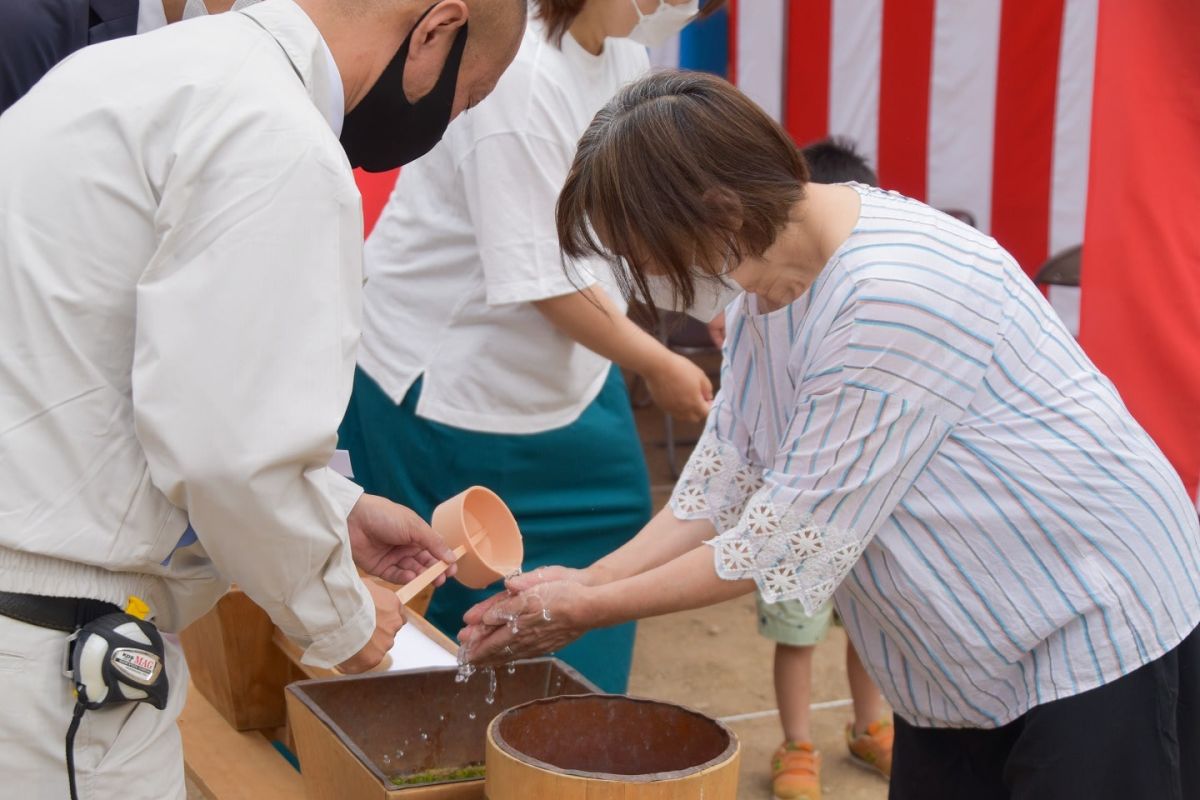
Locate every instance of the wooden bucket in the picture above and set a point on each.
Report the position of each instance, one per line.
(355, 734)
(602, 747)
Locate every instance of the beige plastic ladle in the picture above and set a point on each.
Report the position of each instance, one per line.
(484, 535)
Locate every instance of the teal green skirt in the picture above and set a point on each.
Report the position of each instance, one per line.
(578, 493)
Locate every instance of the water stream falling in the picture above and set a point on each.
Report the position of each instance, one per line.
(465, 668)
(490, 697)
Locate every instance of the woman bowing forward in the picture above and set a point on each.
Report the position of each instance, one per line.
(904, 425)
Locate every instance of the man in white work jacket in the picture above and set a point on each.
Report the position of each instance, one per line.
(180, 269)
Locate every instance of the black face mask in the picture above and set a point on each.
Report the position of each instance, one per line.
(385, 130)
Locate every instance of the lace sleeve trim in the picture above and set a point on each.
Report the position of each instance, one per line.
(715, 484)
(787, 554)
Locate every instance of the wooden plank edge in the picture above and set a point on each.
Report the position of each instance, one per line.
(227, 764)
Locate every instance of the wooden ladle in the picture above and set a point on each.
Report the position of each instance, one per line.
(484, 536)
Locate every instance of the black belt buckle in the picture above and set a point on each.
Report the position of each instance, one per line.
(66, 614)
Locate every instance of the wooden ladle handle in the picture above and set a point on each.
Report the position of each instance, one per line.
(418, 584)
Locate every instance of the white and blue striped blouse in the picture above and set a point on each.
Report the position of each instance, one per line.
(920, 438)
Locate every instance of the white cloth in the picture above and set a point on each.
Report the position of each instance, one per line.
(151, 16)
(131, 751)
(1065, 300)
(179, 290)
(920, 437)
(468, 240)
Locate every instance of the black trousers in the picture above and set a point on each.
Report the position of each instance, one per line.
(1137, 738)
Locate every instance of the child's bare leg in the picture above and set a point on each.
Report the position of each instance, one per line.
(868, 703)
(793, 690)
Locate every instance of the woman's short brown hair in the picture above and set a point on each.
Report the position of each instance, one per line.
(559, 14)
(679, 169)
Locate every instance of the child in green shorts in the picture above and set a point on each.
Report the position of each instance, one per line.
(796, 766)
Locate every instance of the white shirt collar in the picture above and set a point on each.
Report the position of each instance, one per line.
(333, 106)
(151, 16)
(301, 40)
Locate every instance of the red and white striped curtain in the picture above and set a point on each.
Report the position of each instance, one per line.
(980, 105)
(987, 106)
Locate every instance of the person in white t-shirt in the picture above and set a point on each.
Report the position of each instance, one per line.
(481, 361)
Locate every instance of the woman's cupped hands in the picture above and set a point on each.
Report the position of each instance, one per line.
(537, 612)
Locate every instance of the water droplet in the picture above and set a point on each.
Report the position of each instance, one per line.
(387, 760)
(399, 754)
(424, 736)
(442, 717)
(471, 715)
(491, 691)
(546, 614)
(512, 668)
(465, 668)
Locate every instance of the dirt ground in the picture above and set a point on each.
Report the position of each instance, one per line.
(714, 661)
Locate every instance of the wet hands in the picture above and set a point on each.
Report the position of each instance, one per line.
(523, 581)
(527, 580)
(393, 542)
(535, 615)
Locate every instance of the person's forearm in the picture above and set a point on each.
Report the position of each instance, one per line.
(687, 582)
(591, 318)
(664, 538)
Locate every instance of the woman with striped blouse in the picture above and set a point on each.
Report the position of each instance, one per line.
(904, 426)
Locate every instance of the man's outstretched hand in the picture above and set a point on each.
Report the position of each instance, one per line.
(393, 543)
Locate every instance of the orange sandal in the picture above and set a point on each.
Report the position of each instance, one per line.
(872, 749)
(796, 772)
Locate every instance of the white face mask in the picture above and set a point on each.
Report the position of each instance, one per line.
(664, 22)
(712, 296)
(196, 8)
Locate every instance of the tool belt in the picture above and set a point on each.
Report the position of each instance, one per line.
(67, 614)
(125, 666)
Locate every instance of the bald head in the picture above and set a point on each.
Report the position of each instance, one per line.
(500, 12)
(496, 29)
(494, 32)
